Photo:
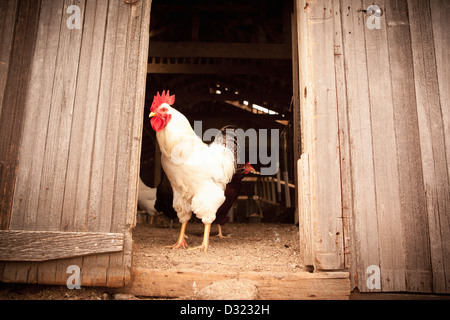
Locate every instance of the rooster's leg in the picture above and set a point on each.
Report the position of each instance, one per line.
(205, 243)
(220, 234)
(181, 243)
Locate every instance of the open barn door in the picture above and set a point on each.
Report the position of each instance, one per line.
(72, 95)
(319, 182)
(374, 172)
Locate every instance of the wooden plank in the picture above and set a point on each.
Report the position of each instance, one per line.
(365, 252)
(129, 135)
(440, 14)
(325, 161)
(141, 49)
(27, 190)
(35, 130)
(48, 245)
(13, 273)
(56, 153)
(186, 68)
(385, 162)
(8, 12)
(116, 272)
(20, 70)
(418, 275)
(306, 103)
(305, 211)
(99, 217)
(219, 50)
(80, 214)
(344, 139)
(125, 110)
(102, 180)
(76, 195)
(283, 286)
(57, 143)
(13, 101)
(432, 141)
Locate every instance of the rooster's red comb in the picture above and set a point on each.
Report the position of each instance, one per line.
(160, 99)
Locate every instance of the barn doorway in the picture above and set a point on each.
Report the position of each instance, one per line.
(228, 64)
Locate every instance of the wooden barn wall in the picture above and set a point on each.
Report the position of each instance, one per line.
(18, 25)
(80, 141)
(385, 93)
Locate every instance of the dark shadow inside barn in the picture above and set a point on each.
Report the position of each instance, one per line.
(229, 64)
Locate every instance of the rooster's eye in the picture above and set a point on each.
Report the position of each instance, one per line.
(164, 109)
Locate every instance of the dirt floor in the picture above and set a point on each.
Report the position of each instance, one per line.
(248, 247)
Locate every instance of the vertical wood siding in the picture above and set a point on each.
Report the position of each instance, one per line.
(81, 135)
(19, 27)
(392, 89)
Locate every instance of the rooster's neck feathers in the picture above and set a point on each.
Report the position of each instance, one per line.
(177, 130)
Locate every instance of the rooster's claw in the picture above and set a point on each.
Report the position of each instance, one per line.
(178, 245)
(205, 248)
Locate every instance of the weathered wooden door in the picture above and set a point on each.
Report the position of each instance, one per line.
(319, 184)
(72, 105)
(374, 174)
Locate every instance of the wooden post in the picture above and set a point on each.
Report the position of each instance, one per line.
(319, 124)
(287, 194)
(278, 182)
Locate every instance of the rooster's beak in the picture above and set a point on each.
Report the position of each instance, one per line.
(152, 114)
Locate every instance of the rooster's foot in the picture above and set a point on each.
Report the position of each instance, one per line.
(202, 247)
(221, 236)
(205, 243)
(178, 245)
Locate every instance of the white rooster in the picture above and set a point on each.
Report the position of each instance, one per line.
(198, 173)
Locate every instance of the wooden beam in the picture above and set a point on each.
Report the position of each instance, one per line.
(203, 7)
(220, 50)
(38, 246)
(248, 69)
(282, 286)
(230, 96)
(248, 116)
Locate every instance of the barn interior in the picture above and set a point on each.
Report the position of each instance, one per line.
(228, 63)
